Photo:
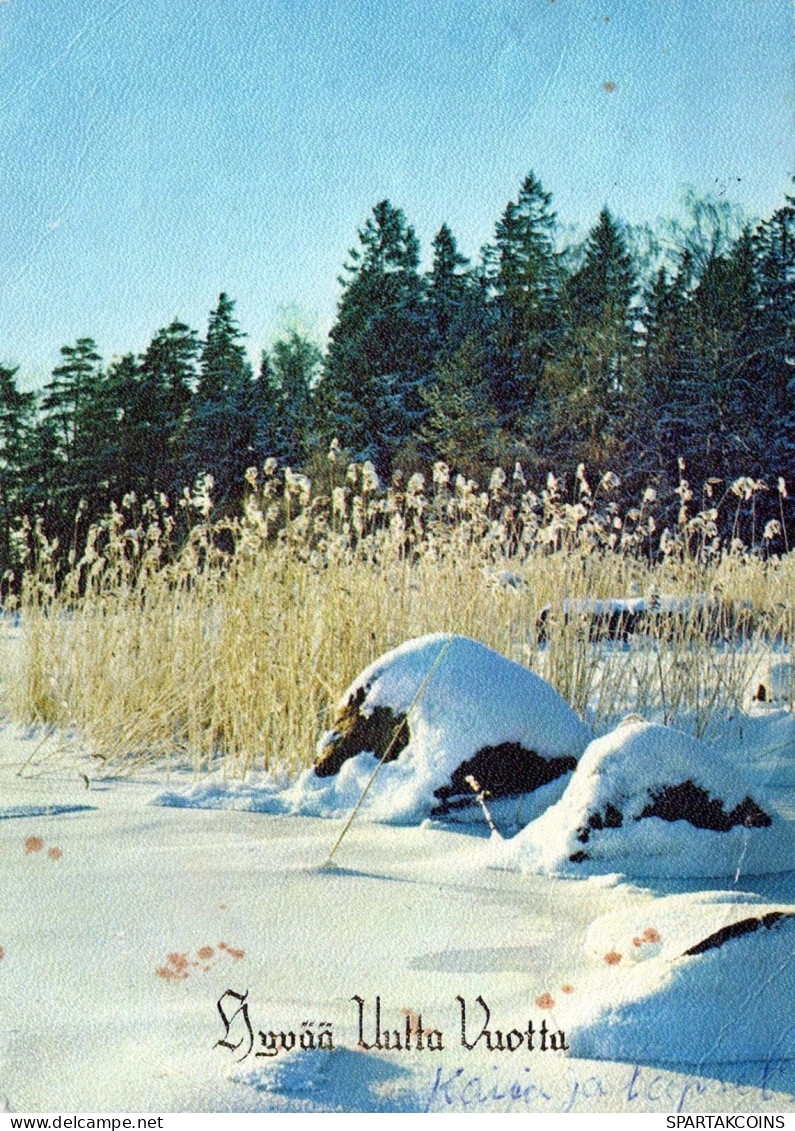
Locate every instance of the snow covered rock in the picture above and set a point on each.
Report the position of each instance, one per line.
(699, 978)
(480, 717)
(614, 618)
(659, 616)
(677, 925)
(649, 800)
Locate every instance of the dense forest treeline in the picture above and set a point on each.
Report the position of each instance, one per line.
(616, 352)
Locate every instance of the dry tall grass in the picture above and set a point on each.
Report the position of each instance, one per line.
(237, 646)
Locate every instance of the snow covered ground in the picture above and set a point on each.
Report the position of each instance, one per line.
(146, 947)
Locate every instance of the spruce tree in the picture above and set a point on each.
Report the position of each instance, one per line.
(16, 421)
(588, 382)
(772, 363)
(130, 449)
(723, 306)
(167, 375)
(448, 290)
(296, 361)
(43, 476)
(379, 353)
(268, 406)
(223, 366)
(461, 422)
(601, 290)
(524, 276)
(662, 411)
(222, 427)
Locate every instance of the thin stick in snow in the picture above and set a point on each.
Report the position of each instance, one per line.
(481, 794)
(398, 728)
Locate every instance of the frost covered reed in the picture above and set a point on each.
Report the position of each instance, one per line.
(231, 647)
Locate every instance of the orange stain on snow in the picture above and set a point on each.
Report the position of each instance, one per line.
(612, 958)
(178, 965)
(652, 935)
(176, 968)
(568, 988)
(545, 1001)
(33, 844)
(168, 974)
(54, 853)
(230, 950)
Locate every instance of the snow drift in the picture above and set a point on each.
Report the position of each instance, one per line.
(710, 979)
(649, 800)
(669, 927)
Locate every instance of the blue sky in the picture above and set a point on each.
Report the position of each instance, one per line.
(156, 152)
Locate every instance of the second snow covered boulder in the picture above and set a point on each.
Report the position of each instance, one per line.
(480, 717)
(650, 800)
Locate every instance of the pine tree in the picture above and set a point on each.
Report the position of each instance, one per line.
(74, 385)
(78, 405)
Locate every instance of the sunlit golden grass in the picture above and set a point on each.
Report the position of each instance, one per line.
(235, 649)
